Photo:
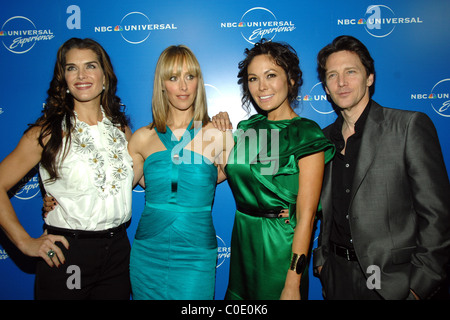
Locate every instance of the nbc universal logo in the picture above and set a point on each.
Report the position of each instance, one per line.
(3, 254)
(27, 188)
(135, 27)
(19, 34)
(438, 97)
(317, 100)
(257, 23)
(223, 251)
(379, 21)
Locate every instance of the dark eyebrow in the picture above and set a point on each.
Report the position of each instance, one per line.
(265, 72)
(89, 62)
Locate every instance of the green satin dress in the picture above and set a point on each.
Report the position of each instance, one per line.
(262, 172)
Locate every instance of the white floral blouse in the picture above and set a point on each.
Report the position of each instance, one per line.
(95, 188)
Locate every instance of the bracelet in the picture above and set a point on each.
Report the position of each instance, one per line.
(298, 263)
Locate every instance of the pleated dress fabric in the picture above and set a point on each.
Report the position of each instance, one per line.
(262, 172)
(174, 252)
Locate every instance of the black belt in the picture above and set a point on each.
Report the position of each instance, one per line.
(269, 213)
(344, 252)
(81, 234)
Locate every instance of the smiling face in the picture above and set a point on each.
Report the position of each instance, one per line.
(267, 83)
(181, 88)
(84, 75)
(347, 81)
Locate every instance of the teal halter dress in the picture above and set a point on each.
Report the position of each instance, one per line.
(174, 252)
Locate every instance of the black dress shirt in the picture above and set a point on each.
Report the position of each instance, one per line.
(342, 177)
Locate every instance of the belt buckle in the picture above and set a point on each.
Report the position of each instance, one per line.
(347, 253)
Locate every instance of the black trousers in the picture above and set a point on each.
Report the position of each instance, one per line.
(345, 280)
(95, 269)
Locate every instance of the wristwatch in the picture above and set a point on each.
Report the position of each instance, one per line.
(298, 263)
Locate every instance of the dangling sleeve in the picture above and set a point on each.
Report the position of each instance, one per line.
(301, 138)
(305, 137)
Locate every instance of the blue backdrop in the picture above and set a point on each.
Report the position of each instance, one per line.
(409, 41)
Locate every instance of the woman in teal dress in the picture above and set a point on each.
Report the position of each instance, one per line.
(275, 172)
(174, 252)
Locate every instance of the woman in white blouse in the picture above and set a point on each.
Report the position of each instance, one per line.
(80, 144)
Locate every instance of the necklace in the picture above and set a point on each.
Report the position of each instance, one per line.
(107, 162)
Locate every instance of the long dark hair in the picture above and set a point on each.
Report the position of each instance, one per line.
(59, 108)
(284, 55)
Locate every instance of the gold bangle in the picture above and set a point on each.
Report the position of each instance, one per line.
(298, 263)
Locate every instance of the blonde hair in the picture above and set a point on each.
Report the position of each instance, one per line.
(171, 57)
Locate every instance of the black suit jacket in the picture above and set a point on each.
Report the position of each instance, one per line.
(399, 212)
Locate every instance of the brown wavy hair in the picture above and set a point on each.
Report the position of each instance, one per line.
(59, 108)
(285, 56)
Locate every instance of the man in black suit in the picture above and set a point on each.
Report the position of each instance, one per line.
(385, 230)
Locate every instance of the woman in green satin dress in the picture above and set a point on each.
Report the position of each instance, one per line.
(275, 172)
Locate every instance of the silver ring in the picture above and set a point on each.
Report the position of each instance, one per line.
(50, 253)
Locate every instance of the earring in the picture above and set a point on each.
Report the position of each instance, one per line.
(68, 91)
(103, 87)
